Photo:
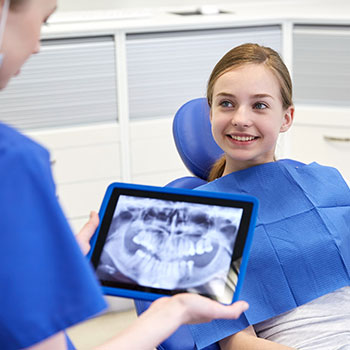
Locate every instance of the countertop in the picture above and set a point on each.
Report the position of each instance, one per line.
(107, 21)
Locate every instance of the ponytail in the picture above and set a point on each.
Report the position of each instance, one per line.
(218, 169)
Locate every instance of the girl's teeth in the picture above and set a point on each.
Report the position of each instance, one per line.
(243, 138)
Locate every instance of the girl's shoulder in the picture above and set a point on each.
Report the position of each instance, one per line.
(281, 172)
(313, 171)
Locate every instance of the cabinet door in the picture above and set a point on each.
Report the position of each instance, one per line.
(85, 160)
(321, 65)
(322, 135)
(70, 82)
(154, 160)
(167, 69)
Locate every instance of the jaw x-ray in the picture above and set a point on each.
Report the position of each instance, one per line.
(171, 245)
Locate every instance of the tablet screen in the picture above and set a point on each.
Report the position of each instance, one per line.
(166, 243)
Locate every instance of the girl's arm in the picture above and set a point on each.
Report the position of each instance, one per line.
(247, 340)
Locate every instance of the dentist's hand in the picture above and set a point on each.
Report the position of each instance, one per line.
(165, 315)
(85, 234)
(193, 308)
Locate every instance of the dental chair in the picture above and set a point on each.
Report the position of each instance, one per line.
(198, 151)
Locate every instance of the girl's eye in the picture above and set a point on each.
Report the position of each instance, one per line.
(260, 105)
(226, 104)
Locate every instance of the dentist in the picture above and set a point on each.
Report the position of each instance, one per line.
(46, 283)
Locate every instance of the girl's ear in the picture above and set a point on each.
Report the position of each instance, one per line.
(287, 119)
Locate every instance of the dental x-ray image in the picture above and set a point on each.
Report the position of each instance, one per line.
(171, 245)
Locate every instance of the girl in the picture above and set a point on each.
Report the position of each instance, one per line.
(46, 284)
(298, 274)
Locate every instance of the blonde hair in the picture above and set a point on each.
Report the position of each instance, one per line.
(249, 54)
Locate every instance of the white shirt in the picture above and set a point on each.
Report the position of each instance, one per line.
(322, 324)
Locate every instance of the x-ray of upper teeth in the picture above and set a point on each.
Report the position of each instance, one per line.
(170, 245)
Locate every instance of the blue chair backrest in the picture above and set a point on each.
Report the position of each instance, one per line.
(193, 137)
(198, 150)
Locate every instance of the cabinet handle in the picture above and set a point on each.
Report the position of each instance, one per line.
(333, 138)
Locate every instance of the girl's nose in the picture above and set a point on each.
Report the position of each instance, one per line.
(241, 118)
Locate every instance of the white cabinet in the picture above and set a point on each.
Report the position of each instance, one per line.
(71, 82)
(154, 159)
(322, 135)
(321, 65)
(167, 69)
(85, 160)
(321, 72)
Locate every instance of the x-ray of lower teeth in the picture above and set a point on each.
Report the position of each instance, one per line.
(170, 245)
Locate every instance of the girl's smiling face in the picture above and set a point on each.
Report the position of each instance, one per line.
(247, 116)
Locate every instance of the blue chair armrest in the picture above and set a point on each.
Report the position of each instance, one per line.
(189, 182)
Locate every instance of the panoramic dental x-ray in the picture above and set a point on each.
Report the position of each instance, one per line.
(170, 245)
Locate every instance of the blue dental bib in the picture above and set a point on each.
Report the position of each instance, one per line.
(301, 245)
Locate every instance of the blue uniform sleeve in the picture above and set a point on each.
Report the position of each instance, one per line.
(47, 284)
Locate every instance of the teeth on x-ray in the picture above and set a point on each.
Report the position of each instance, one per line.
(180, 247)
(171, 244)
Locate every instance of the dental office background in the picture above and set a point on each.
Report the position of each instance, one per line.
(102, 93)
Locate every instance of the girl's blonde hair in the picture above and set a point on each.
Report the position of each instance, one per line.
(249, 54)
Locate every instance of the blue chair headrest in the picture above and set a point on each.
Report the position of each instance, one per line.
(193, 137)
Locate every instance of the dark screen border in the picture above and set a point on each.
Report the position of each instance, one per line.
(180, 197)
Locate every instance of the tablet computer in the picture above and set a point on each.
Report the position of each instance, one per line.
(157, 241)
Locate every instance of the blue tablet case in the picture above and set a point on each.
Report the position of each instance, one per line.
(116, 191)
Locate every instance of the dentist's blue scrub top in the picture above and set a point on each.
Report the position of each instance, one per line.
(46, 284)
